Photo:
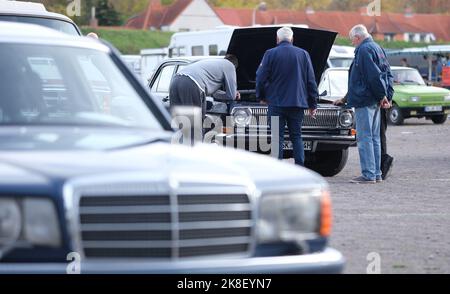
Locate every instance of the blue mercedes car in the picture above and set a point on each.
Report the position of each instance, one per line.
(90, 181)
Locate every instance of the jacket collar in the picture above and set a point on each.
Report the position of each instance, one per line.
(284, 43)
(367, 40)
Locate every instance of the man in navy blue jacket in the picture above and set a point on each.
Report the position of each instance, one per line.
(285, 81)
(368, 88)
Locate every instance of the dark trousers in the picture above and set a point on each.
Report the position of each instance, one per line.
(185, 92)
(293, 117)
(386, 159)
(383, 129)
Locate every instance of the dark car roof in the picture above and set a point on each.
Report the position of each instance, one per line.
(250, 44)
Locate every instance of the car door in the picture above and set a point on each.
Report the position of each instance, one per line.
(160, 83)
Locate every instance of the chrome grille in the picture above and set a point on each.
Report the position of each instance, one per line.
(325, 118)
(164, 226)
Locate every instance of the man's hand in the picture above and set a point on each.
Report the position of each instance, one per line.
(238, 96)
(385, 104)
(339, 102)
(313, 112)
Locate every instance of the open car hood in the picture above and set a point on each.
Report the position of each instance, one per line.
(250, 44)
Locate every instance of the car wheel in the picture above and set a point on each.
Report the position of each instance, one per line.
(439, 119)
(328, 163)
(395, 115)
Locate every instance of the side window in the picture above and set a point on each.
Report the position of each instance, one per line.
(197, 51)
(213, 50)
(163, 82)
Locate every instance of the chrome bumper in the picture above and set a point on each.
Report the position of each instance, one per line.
(329, 261)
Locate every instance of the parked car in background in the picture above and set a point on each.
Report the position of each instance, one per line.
(89, 175)
(334, 83)
(326, 139)
(341, 56)
(36, 13)
(413, 98)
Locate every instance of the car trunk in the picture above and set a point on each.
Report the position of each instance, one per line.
(250, 44)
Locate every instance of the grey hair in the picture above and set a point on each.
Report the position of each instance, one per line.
(285, 34)
(360, 31)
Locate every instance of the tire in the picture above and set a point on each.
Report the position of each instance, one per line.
(439, 119)
(328, 163)
(395, 115)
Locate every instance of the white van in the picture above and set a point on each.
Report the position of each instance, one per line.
(201, 43)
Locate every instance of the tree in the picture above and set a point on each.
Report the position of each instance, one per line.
(106, 14)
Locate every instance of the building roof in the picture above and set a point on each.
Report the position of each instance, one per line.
(343, 21)
(157, 15)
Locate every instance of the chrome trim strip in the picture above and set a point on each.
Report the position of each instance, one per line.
(167, 226)
(124, 209)
(167, 244)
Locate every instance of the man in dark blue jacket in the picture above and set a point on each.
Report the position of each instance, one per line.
(368, 88)
(285, 80)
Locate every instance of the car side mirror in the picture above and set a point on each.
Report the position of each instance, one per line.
(324, 93)
(188, 120)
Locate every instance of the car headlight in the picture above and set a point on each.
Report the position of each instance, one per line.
(447, 98)
(29, 220)
(346, 119)
(41, 223)
(414, 99)
(241, 116)
(289, 217)
(10, 221)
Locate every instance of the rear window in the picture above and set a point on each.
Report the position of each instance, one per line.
(56, 24)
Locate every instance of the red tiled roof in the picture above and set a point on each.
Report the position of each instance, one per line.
(343, 21)
(157, 15)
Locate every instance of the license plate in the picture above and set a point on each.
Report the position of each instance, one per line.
(433, 108)
(307, 145)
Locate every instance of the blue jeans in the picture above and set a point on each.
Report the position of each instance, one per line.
(293, 117)
(368, 138)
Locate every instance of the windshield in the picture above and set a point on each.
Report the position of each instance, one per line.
(335, 83)
(56, 24)
(408, 77)
(341, 62)
(52, 85)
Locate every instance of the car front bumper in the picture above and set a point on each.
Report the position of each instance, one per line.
(330, 261)
(421, 111)
(261, 142)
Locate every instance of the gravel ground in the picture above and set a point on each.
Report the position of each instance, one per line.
(406, 219)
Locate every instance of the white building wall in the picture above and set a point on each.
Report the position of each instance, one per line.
(197, 16)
